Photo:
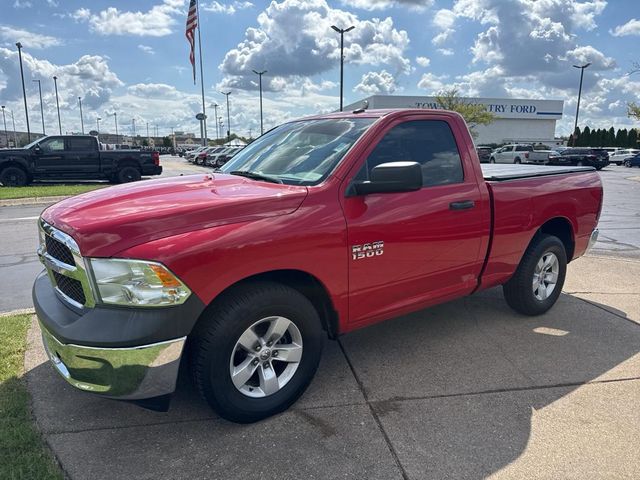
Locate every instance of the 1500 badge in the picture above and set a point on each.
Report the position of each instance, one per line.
(367, 250)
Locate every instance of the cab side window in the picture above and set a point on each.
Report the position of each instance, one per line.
(52, 145)
(81, 144)
(428, 142)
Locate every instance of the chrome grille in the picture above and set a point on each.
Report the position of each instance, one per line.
(60, 255)
(58, 250)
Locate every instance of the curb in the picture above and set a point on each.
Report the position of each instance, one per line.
(14, 202)
(21, 311)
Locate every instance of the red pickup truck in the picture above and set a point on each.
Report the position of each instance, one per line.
(319, 227)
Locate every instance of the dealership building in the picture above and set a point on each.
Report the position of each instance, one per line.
(516, 120)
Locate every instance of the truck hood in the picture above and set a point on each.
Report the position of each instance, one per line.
(5, 152)
(107, 221)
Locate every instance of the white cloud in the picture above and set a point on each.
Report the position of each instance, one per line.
(423, 61)
(22, 4)
(226, 8)
(147, 49)
(154, 90)
(294, 39)
(444, 19)
(371, 5)
(432, 83)
(374, 83)
(632, 27)
(447, 52)
(589, 54)
(156, 22)
(28, 39)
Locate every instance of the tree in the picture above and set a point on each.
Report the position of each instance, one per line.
(632, 142)
(610, 138)
(166, 142)
(621, 137)
(633, 110)
(145, 143)
(585, 138)
(473, 113)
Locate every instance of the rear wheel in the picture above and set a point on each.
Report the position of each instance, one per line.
(14, 177)
(128, 173)
(256, 351)
(517, 160)
(492, 160)
(538, 281)
(579, 163)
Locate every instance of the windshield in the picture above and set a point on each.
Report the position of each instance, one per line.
(300, 153)
(34, 142)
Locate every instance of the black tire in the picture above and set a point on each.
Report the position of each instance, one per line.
(627, 164)
(517, 160)
(128, 173)
(14, 177)
(518, 291)
(579, 163)
(492, 160)
(215, 337)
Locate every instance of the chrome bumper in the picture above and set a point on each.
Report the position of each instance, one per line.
(132, 373)
(593, 239)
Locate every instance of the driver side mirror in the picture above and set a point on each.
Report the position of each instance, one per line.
(37, 149)
(391, 177)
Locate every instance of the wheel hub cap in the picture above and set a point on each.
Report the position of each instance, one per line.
(266, 357)
(545, 276)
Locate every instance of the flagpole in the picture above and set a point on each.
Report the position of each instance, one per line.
(204, 122)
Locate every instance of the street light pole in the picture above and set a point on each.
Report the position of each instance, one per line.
(342, 31)
(41, 106)
(98, 126)
(24, 92)
(55, 84)
(115, 118)
(260, 83)
(13, 121)
(228, 116)
(6, 135)
(575, 127)
(215, 116)
(81, 117)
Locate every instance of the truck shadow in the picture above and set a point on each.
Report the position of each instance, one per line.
(455, 388)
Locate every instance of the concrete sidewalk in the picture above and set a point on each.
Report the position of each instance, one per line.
(464, 390)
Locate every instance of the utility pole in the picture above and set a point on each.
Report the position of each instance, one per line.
(228, 116)
(115, 118)
(133, 127)
(55, 84)
(81, 117)
(24, 92)
(13, 121)
(6, 135)
(260, 83)
(342, 31)
(41, 106)
(575, 127)
(148, 138)
(98, 126)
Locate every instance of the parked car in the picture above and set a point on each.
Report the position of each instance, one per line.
(633, 161)
(620, 155)
(539, 157)
(220, 158)
(74, 157)
(322, 226)
(581, 157)
(191, 154)
(484, 153)
(514, 153)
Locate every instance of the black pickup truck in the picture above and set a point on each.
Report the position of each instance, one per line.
(74, 157)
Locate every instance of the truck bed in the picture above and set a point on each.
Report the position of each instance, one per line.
(499, 173)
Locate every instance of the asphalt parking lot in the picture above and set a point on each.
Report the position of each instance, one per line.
(468, 389)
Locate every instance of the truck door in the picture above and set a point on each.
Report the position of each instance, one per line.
(413, 247)
(82, 155)
(49, 156)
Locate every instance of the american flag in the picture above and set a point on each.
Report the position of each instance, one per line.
(192, 24)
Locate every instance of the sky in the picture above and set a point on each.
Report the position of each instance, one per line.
(131, 57)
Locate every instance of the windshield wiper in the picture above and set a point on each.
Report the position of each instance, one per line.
(255, 176)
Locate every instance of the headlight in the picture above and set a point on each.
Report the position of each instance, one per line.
(137, 283)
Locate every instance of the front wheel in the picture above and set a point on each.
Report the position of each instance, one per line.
(538, 281)
(627, 164)
(14, 177)
(579, 163)
(517, 160)
(492, 160)
(256, 351)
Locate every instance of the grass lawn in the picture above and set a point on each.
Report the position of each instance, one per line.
(23, 454)
(46, 190)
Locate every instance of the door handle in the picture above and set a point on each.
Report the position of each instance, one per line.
(462, 205)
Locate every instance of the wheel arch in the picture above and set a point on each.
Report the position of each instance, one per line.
(560, 227)
(305, 283)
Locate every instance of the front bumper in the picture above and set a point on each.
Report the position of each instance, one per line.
(124, 373)
(121, 353)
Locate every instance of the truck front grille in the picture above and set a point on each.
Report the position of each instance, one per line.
(60, 255)
(58, 250)
(70, 287)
